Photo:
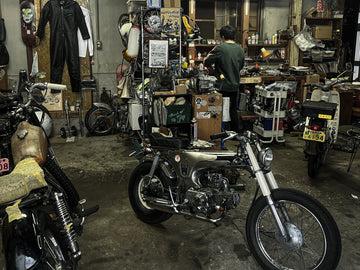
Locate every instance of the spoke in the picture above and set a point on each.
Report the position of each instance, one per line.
(269, 234)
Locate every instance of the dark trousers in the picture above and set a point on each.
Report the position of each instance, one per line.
(235, 123)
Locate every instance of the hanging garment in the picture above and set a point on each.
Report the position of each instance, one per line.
(85, 43)
(65, 17)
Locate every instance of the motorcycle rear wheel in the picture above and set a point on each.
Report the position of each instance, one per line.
(100, 121)
(314, 243)
(143, 211)
(313, 165)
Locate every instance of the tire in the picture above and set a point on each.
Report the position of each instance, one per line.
(100, 121)
(56, 173)
(317, 241)
(141, 209)
(313, 165)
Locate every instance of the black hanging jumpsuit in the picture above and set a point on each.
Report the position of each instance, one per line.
(65, 17)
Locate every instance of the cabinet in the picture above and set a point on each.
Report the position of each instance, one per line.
(208, 113)
(271, 114)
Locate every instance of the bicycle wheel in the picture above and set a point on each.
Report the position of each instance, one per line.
(100, 121)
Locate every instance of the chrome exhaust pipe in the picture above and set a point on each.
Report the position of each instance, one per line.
(169, 207)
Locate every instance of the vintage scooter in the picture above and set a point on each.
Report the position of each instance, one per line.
(322, 114)
(285, 228)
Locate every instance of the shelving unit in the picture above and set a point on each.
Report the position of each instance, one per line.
(333, 43)
(269, 125)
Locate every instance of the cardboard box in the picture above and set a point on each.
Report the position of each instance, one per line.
(180, 89)
(322, 31)
(172, 3)
(314, 78)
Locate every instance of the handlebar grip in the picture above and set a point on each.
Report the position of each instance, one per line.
(218, 136)
(56, 86)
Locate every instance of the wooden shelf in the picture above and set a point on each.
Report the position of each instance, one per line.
(268, 45)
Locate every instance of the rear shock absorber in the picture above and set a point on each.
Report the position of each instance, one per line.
(67, 225)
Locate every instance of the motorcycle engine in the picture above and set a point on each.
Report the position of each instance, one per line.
(214, 195)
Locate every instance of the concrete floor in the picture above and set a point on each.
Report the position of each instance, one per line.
(114, 238)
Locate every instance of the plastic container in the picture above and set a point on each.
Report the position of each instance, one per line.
(133, 43)
(256, 38)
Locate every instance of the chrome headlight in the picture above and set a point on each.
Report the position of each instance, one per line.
(265, 157)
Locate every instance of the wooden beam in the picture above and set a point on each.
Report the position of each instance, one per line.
(245, 25)
(295, 13)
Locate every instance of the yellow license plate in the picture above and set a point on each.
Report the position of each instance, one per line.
(324, 116)
(314, 135)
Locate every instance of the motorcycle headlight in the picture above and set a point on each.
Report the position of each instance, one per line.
(265, 156)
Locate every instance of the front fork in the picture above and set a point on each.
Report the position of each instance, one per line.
(267, 183)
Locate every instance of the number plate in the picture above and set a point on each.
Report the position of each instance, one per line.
(324, 116)
(314, 135)
(4, 165)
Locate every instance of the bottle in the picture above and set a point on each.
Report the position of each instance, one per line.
(266, 41)
(256, 38)
(275, 40)
(253, 39)
(194, 130)
(133, 44)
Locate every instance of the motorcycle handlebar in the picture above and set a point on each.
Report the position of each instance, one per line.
(324, 87)
(218, 136)
(56, 86)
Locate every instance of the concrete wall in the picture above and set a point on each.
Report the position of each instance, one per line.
(275, 17)
(106, 60)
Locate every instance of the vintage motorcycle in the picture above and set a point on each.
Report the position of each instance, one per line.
(40, 211)
(285, 228)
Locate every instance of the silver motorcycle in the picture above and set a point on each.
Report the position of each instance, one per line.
(285, 228)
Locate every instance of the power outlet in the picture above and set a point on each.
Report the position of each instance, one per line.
(98, 44)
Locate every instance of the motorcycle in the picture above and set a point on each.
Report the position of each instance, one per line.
(103, 119)
(322, 114)
(40, 211)
(285, 228)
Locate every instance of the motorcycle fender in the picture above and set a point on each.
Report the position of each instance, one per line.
(104, 105)
(312, 148)
(20, 245)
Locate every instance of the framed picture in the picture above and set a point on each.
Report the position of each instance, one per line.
(158, 53)
(154, 3)
(53, 101)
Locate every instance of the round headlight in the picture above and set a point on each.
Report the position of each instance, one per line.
(266, 157)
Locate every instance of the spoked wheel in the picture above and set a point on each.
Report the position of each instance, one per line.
(100, 121)
(314, 240)
(313, 165)
(136, 194)
(53, 253)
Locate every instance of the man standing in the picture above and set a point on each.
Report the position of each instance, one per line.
(228, 58)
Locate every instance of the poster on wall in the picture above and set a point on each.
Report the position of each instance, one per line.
(170, 22)
(158, 53)
(53, 101)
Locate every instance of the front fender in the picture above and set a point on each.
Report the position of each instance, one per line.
(20, 245)
(104, 105)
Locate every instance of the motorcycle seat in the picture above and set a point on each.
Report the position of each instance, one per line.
(156, 139)
(26, 177)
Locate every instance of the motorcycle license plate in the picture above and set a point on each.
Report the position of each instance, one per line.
(4, 165)
(314, 135)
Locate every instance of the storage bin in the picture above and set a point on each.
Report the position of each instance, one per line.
(314, 108)
(178, 114)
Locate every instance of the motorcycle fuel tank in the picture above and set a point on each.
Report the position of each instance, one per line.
(29, 141)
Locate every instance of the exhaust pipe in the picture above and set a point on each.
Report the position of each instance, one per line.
(169, 207)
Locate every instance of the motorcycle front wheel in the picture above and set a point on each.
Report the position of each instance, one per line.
(136, 194)
(314, 240)
(100, 121)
